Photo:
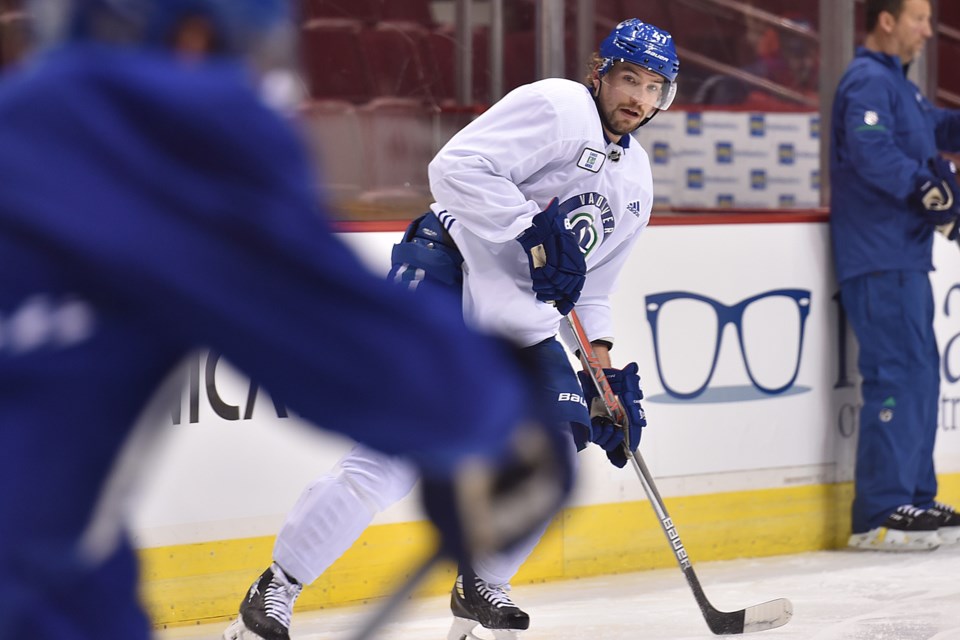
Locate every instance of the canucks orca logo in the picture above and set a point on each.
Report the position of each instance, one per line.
(590, 217)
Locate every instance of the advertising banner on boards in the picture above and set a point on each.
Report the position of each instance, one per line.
(747, 367)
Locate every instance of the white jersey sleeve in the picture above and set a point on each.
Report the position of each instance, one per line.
(476, 175)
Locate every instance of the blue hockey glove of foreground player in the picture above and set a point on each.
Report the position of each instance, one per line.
(626, 384)
(938, 195)
(488, 506)
(557, 266)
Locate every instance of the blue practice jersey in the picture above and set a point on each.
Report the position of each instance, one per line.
(150, 207)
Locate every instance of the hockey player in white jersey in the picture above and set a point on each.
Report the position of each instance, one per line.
(538, 204)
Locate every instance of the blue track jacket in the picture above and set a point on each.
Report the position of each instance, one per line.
(883, 131)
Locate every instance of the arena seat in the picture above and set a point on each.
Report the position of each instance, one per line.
(15, 32)
(519, 59)
(656, 13)
(332, 130)
(398, 144)
(439, 56)
(948, 49)
(367, 11)
(333, 62)
(413, 11)
(393, 55)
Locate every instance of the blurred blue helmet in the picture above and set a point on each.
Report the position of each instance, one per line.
(646, 46)
(239, 25)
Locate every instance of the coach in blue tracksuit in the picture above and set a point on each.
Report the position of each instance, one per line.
(890, 192)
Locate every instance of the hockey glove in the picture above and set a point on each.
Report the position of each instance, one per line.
(626, 384)
(557, 266)
(426, 254)
(937, 195)
(488, 506)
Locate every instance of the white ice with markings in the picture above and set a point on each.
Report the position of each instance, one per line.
(836, 595)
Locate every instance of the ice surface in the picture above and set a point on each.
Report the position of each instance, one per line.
(836, 595)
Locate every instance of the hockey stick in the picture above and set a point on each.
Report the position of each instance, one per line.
(382, 613)
(759, 617)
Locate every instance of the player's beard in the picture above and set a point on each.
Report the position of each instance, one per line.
(611, 116)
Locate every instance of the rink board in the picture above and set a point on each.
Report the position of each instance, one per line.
(753, 460)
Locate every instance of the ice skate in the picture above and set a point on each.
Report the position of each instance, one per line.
(266, 611)
(906, 529)
(949, 521)
(474, 602)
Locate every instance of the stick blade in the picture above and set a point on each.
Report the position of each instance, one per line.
(767, 615)
(759, 617)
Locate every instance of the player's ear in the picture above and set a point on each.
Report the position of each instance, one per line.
(194, 37)
(886, 21)
(595, 82)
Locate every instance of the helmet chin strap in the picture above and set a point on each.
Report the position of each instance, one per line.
(648, 118)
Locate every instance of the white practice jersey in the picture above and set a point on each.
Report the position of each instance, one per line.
(541, 141)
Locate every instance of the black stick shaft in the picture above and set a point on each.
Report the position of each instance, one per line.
(719, 622)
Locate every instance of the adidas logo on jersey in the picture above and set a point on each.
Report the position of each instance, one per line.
(634, 208)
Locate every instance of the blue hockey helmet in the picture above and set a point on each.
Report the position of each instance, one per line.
(646, 46)
(239, 26)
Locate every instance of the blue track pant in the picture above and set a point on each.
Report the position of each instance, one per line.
(891, 313)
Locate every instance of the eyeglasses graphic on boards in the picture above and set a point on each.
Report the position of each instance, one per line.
(688, 331)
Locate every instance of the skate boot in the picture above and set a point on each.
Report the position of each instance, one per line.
(474, 602)
(949, 520)
(906, 529)
(266, 611)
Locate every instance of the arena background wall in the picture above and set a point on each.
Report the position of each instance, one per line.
(759, 463)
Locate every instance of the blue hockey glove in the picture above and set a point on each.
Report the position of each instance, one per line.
(557, 266)
(426, 254)
(938, 195)
(626, 384)
(488, 506)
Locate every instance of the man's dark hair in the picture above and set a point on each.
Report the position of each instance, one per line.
(876, 7)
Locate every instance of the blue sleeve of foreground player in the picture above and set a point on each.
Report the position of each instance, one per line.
(208, 229)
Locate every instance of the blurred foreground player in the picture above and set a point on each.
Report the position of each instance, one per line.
(538, 204)
(153, 204)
